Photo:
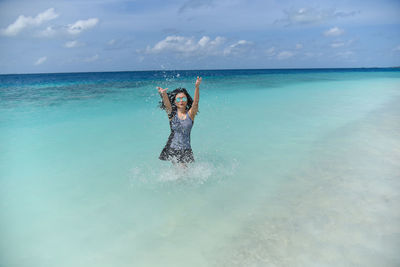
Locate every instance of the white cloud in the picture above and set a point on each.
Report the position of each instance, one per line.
(271, 51)
(203, 41)
(82, 25)
(23, 22)
(281, 55)
(311, 16)
(71, 44)
(342, 43)
(111, 42)
(335, 31)
(237, 47)
(91, 59)
(74, 29)
(336, 45)
(206, 42)
(174, 43)
(205, 46)
(186, 45)
(48, 32)
(40, 60)
(284, 55)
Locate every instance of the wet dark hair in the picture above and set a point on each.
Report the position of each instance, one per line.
(172, 96)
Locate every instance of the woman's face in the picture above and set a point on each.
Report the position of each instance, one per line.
(181, 100)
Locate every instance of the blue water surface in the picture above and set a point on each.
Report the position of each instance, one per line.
(81, 183)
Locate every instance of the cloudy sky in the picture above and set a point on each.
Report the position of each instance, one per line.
(117, 35)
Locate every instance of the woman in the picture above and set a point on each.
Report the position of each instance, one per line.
(181, 110)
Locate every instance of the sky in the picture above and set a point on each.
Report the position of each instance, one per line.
(43, 36)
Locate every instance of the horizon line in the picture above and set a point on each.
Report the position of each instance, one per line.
(227, 69)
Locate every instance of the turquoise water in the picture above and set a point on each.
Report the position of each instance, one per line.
(293, 167)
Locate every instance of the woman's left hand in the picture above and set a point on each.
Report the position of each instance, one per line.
(198, 81)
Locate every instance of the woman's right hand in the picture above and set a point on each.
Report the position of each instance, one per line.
(198, 81)
(161, 91)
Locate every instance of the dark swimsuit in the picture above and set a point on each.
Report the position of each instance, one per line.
(178, 147)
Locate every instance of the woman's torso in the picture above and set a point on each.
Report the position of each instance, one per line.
(181, 130)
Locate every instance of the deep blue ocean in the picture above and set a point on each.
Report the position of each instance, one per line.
(293, 168)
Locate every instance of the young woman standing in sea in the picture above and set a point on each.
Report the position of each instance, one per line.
(181, 110)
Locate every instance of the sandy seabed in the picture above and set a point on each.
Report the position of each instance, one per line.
(341, 209)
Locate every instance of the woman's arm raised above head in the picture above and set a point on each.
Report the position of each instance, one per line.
(195, 106)
(165, 99)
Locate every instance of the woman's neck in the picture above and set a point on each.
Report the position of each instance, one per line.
(181, 111)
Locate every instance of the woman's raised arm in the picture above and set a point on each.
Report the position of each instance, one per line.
(195, 105)
(167, 104)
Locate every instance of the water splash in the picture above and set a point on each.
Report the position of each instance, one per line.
(197, 173)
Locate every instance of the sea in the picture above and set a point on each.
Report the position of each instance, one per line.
(293, 167)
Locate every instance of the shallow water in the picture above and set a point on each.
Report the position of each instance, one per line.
(292, 167)
(341, 208)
